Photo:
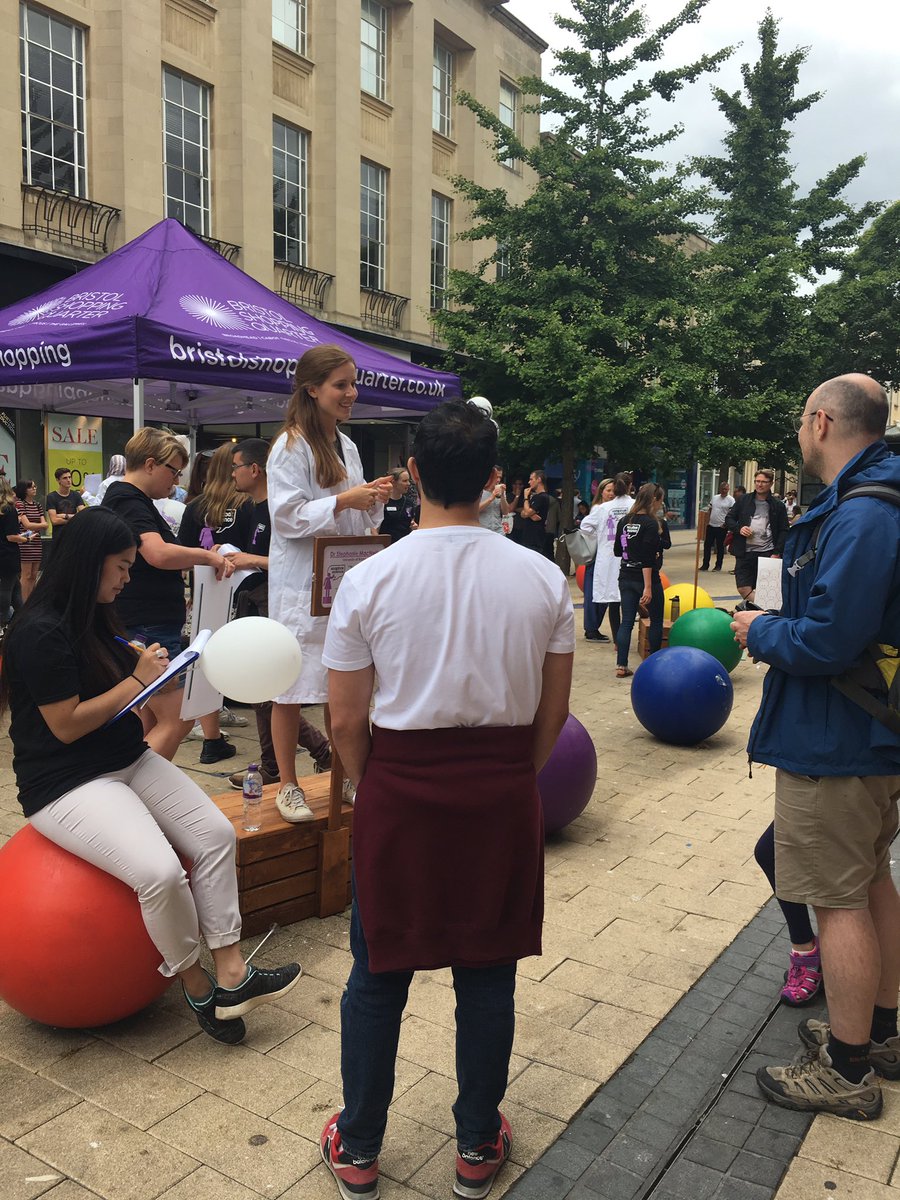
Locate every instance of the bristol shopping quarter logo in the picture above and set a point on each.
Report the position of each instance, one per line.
(78, 309)
(238, 315)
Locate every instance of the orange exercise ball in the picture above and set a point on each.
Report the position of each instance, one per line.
(74, 950)
(664, 580)
(579, 576)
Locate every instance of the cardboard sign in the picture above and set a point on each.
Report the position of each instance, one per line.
(332, 556)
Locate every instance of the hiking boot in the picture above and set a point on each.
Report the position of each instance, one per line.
(217, 749)
(291, 803)
(323, 764)
(237, 779)
(477, 1169)
(229, 1032)
(803, 981)
(258, 988)
(357, 1178)
(811, 1084)
(884, 1057)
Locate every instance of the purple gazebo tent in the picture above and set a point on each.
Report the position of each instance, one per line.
(167, 326)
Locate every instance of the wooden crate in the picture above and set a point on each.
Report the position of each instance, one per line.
(644, 636)
(280, 865)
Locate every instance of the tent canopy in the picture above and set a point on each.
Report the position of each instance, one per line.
(211, 343)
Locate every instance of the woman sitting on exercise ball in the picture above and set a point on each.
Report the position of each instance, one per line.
(96, 790)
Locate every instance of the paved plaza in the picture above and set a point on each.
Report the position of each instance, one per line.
(653, 931)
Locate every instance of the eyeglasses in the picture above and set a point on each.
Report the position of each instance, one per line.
(801, 417)
(175, 474)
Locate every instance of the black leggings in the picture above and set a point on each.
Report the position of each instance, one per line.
(796, 915)
(613, 610)
(10, 593)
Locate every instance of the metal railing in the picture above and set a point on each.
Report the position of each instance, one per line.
(303, 286)
(382, 308)
(62, 217)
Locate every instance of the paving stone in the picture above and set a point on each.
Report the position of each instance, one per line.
(714, 987)
(589, 1135)
(741, 1189)
(851, 1145)
(567, 1158)
(409, 1145)
(629, 1091)
(107, 1155)
(675, 1032)
(658, 1051)
(29, 1100)
(611, 1181)
(690, 1018)
(709, 1153)
(34, 1046)
(655, 1132)
(807, 1180)
(759, 1168)
(635, 1156)
(22, 1176)
(434, 1179)
(204, 1184)
(607, 1110)
(721, 969)
(745, 1108)
(777, 1145)
(689, 1181)
(256, 1082)
(726, 1129)
(70, 1190)
(539, 1183)
(558, 1093)
(785, 1121)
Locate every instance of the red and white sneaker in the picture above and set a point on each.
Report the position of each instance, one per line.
(357, 1178)
(477, 1169)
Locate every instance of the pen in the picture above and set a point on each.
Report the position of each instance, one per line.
(125, 642)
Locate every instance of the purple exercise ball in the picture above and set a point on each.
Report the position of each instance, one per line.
(568, 777)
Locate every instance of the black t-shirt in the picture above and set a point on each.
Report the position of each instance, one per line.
(534, 532)
(64, 504)
(398, 518)
(153, 596)
(9, 551)
(260, 531)
(43, 669)
(637, 543)
(235, 528)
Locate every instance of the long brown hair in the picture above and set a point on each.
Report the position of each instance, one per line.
(646, 502)
(302, 418)
(219, 493)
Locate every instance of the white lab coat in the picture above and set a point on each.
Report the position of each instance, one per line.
(601, 523)
(301, 510)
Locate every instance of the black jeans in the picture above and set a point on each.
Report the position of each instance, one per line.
(10, 592)
(715, 536)
(631, 590)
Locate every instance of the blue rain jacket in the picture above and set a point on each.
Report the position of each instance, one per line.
(846, 598)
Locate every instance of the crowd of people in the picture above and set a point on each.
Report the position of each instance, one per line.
(439, 748)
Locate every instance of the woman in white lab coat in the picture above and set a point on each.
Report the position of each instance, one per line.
(601, 521)
(316, 489)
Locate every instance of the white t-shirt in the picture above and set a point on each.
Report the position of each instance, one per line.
(425, 612)
(718, 510)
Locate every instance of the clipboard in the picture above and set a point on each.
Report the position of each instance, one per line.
(178, 664)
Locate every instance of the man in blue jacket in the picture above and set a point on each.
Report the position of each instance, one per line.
(838, 768)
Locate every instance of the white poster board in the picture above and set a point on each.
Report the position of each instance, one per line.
(768, 584)
(211, 610)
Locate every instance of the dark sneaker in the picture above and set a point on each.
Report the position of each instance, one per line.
(477, 1169)
(258, 988)
(216, 749)
(323, 764)
(357, 1178)
(811, 1084)
(237, 779)
(229, 1032)
(884, 1057)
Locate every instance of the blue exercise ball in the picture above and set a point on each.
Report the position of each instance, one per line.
(681, 695)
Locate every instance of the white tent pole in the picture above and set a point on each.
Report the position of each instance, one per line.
(138, 396)
(192, 435)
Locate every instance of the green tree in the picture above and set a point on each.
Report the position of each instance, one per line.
(587, 336)
(856, 320)
(769, 242)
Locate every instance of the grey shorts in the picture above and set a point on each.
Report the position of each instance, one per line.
(833, 836)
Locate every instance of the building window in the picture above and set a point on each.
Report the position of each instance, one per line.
(372, 232)
(289, 193)
(442, 90)
(186, 150)
(289, 24)
(373, 49)
(440, 250)
(501, 260)
(51, 64)
(508, 112)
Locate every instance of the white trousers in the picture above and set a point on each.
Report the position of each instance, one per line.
(133, 824)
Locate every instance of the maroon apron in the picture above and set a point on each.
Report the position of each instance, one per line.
(448, 848)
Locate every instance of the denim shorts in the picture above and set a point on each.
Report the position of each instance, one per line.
(168, 636)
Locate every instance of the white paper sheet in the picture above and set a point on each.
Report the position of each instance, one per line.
(768, 584)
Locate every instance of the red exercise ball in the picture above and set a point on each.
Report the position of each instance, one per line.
(74, 950)
(579, 575)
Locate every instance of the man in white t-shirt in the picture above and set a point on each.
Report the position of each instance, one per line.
(448, 831)
(716, 530)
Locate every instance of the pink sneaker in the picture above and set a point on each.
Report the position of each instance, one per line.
(356, 1178)
(477, 1169)
(803, 981)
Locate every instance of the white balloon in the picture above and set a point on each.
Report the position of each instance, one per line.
(484, 404)
(251, 659)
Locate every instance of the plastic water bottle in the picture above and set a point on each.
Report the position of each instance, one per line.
(252, 791)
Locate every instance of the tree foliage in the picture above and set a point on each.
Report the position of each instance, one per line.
(590, 336)
(768, 240)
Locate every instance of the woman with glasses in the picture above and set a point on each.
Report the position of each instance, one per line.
(151, 605)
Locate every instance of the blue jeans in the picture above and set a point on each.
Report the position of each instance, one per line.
(371, 1009)
(168, 635)
(630, 591)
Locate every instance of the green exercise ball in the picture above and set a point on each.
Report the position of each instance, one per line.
(707, 629)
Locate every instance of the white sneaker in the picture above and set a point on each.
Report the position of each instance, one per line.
(195, 735)
(231, 720)
(291, 803)
(348, 794)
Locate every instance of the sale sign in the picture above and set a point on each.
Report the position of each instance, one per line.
(75, 443)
